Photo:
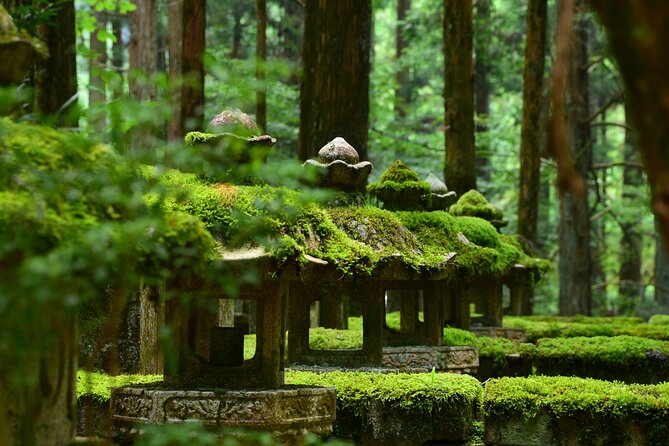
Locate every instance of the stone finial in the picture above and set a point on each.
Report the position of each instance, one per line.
(339, 166)
(441, 197)
(233, 120)
(338, 149)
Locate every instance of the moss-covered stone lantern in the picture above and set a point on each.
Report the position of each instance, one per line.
(399, 189)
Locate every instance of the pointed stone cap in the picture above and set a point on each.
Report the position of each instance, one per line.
(235, 121)
(441, 197)
(338, 149)
(339, 166)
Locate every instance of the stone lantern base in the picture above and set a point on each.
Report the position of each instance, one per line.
(288, 412)
(461, 359)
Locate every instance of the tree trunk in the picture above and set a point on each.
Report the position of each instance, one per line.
(482, 86)
(575, 266)
(460, 166)
(117, 51)
(186, 41)
(97, 94)
(531, 124)
(402, 87)
(644, 67)
(236, 49)
(56, 77)
(661, 272)
(630, 291)
(261, 59)
(334, 95)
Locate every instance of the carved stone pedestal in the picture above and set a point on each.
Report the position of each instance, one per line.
(463, 359)
(288, 412)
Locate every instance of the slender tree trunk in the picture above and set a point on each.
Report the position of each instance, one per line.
(334, 95)
(460, 166)
(56, 77)
(531, 128)
(143, 48)
(575, 266)
(402, 87)
(630, 291)
(261, 60)
(661, 271)
(236, 50)
(97, 93)
(482, 86)
(118, 58)
(186, 40)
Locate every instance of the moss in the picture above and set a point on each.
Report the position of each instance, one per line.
(479, 231)
(659, 319)
(474, 204)
(398, 172)
(418, 393)
(499, 348)
(537, 327)
(568, 396)
(99, 385)
(331, 339)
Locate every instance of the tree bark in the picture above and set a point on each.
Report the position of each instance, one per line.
(661, 271)
(402, 87)
(334, 94)
(97, 93)
(143, 48)
(575, 265)
(630, 290)
(531, 124)
(460, 160)
(644, 67)
(56, 77)
(186, 41)
(261, 60)
(482, 86)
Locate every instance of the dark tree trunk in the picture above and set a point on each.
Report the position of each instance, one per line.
(334, 95)
(186, 39)
(531, 132)
(403, 87)
(482, 86)
(575, 266)
(56, 77)
(630, 291)
(236, 49)
(644, 67)
(661, 272)
(460, 162)
(97, 93)
(143, 48)
(118, 57)
(261, 59)
(290, 29)
(531, 124)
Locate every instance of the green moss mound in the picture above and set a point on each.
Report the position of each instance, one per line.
(419, 393)
(398, 172)
(623, 358)
(659, 319)
(498, 349)
(479, 231)
(474, 204)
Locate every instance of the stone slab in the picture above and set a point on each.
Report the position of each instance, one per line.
(461, 359)
(288, 412)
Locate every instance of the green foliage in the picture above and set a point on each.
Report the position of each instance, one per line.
(564, 396)
(99, 385)
(417, 393)
(659, 319)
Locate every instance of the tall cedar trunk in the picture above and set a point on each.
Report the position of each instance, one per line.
(143, 47)
(644, 67)
(575, 267)
(261, 59)
(290, 35)
(118, 59)
(661, 271)
(56, 77)
(482, 86)
(531, 124)
(531, 131)
(236, 50)
(334, 95)
(186, 41)
(97, 93)
(630, 290)
(460, 163)
(402, 87)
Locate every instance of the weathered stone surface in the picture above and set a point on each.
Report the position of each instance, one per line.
(338, 149)
(547, 429)
(338, 166)
(463, 359)
(288, 412)
(233, 120)
(93, 417)
(514, 334)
